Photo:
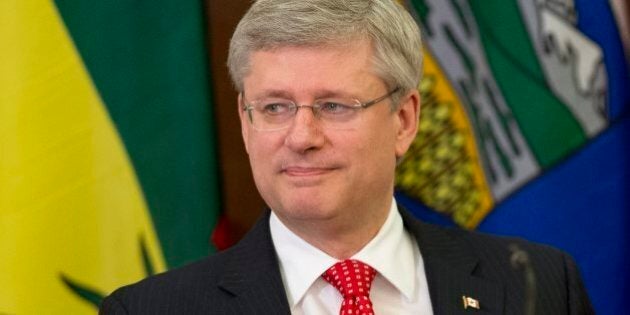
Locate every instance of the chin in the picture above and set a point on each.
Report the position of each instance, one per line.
(305, 210)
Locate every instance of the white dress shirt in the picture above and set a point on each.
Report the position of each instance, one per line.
(400, 286)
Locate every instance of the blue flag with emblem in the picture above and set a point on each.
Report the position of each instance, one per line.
(525, 131)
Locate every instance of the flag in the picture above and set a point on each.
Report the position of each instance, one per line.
(107, 162)
(524, 129)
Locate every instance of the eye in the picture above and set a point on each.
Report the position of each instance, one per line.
(275, 108)
(334, 107)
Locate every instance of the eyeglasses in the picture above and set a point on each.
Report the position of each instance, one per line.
(335, 112)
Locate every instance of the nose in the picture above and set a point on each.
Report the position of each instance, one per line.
(305, 133)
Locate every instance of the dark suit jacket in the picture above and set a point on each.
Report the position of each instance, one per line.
(245, 279)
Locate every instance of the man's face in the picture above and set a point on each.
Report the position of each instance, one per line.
(309, 173)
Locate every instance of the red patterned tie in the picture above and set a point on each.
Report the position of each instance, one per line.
(353, 279)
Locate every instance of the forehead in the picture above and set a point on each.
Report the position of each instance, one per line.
(292, 69)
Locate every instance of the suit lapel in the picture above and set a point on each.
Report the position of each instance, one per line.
(450, 270)
(252, 274)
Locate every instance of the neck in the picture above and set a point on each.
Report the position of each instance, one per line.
(341, 238)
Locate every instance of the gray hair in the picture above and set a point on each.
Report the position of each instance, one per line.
(393, 33)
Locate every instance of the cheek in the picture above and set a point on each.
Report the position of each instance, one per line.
(261, 151)
(260, 161)
(371, 154)
(261, 142)
(379, 153)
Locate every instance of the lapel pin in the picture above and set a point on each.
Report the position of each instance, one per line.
(470, 302)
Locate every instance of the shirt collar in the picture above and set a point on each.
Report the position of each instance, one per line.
(301, 264)
(391, 253)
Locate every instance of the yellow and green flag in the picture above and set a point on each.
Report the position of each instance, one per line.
(106, 148)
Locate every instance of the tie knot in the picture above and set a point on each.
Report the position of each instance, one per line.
(351, 277)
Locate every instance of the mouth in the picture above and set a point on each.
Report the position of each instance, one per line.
(306, 171)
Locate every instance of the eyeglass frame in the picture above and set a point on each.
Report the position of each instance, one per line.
(315, 108)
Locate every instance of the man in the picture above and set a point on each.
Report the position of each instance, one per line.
(328, 105)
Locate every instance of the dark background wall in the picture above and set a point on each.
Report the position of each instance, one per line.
(241, 202)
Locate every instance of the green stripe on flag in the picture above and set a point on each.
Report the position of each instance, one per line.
(149, 63)
(522, 82)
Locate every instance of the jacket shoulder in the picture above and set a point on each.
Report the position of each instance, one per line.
(505, 261)
(182, 289)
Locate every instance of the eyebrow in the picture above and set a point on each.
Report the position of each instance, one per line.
(318, 95)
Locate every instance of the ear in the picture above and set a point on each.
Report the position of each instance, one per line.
(407, 114)
(244, 123)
